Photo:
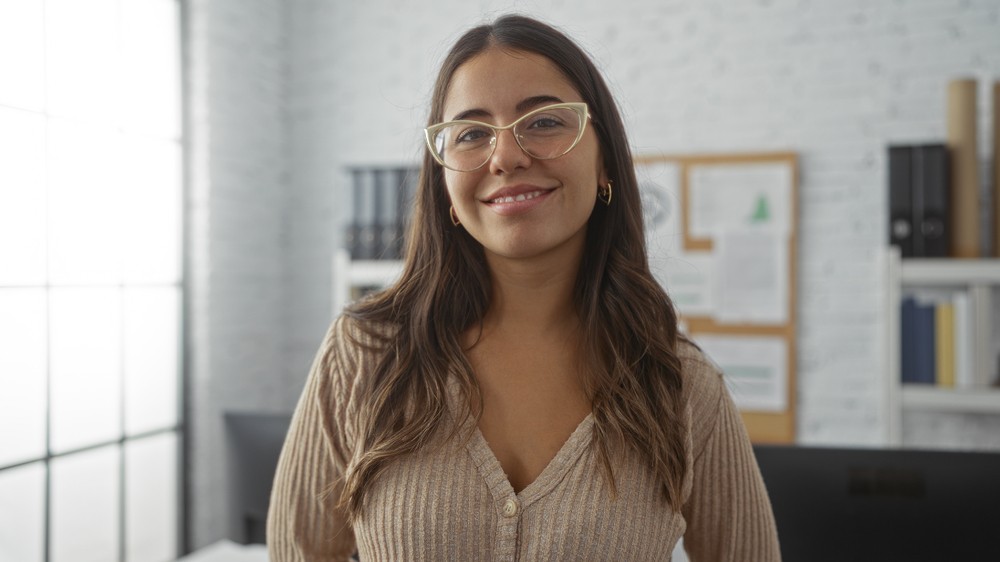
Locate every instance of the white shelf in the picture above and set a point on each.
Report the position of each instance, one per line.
(978, 278)
(348, 275)
(948, 271)
(374, 272)
(929, 398)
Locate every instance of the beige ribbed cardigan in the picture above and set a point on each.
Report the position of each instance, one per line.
(454, 502)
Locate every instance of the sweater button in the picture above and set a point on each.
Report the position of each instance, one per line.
(510, 508)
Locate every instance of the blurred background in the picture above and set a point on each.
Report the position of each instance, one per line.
(176, 177)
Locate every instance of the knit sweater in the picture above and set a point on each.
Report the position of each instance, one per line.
(453, 501)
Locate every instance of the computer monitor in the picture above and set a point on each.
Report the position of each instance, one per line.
(883, 504)
(254, 443)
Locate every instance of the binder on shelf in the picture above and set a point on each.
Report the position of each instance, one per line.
(932, 199)
(919, 200)
(391, 213)
(382, 225)
(367, 240)
(382, 201)
(352, 238)
(901, 200)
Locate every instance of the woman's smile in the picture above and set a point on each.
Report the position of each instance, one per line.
(517, 199)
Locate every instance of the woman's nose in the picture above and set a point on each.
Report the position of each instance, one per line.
(508, 156)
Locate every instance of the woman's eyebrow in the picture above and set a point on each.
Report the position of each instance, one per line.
(476, 112)
(522, 106)
(535, 101)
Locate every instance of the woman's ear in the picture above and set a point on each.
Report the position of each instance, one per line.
(603, 165)
(602, 175)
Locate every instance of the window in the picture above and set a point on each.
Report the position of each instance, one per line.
(91, 199)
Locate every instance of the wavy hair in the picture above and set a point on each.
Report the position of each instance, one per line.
(628, 321)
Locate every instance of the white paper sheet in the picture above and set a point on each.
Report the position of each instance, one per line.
(659, 187)
(755, 369)
(688, 280)
(739, 195)
(687, 276)
(751, 276)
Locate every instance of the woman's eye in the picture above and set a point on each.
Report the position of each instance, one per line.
(471, 135)
(545, 122)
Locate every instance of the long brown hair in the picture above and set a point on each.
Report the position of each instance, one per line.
(628, 322)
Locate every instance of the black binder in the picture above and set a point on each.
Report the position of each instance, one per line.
(931, 180)
(901, 200)
(353, 238)
(919, 200)
(386, 189)
(368, 235)
(382, 204)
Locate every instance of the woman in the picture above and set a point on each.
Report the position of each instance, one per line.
(522, 392)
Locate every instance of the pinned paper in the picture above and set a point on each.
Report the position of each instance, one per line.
(739, 195)
(754, 368)
(751, 277)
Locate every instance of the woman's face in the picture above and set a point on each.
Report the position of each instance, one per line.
(496, 87)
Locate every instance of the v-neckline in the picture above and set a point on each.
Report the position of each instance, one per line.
(496, 478)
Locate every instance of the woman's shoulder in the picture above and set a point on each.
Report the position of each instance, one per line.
(354, 342)
(362, 330)
(697, 367)
(702, 379)
(350, 351)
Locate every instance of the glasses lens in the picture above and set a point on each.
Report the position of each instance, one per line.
(545, 134)
(464, 146)
(549, 133)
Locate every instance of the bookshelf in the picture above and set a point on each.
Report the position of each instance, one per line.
(915, 397)
(977, 278)
(350, 276)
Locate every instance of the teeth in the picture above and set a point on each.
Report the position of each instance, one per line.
(517, 198)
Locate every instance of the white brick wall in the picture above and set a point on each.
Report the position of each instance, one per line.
(289, 93)
(239, 193)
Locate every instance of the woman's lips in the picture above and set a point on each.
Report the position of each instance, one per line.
(520, 203)
(518, 198)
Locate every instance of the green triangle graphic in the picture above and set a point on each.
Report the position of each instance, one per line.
(763, 212)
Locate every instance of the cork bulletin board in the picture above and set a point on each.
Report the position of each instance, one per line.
(722, 232)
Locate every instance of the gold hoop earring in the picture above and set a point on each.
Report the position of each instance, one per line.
(454, 216)
(604, 194)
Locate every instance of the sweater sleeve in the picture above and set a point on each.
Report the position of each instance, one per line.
(728, 513)
(304, 522)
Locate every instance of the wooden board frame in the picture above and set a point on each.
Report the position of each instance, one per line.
(763, 427)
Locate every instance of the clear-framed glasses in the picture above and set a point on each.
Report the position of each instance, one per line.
(545, 133)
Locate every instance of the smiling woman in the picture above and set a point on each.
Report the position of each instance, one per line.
(522, 391)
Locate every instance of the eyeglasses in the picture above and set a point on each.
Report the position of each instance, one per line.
(545, 133)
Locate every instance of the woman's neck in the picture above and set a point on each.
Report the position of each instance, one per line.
(533, 295)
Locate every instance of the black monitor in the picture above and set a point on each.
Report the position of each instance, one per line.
(883, 504)
(254, 443)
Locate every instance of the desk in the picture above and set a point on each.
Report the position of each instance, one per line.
(228, 551)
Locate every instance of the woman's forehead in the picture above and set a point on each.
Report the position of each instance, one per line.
(498, 80)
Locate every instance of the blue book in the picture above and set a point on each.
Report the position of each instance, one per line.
(925, 344)
(907, 340)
